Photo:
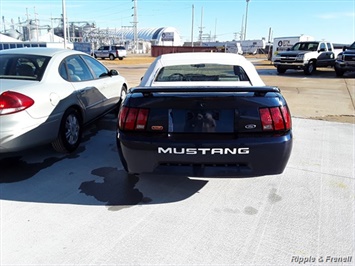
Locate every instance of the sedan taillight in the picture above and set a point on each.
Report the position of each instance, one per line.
(132, 118)
(275, 118)
(13, 102)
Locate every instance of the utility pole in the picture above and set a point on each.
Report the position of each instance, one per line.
(201, 28)
(215, 31)
(135, 30)
(246, 20)
(270, 36)
(192, 26)
(28, 25)
(3, 23)
(64, 24)
(37, 22)
(242, 30)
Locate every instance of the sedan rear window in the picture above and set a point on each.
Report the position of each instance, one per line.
(30, 67)
(201, 72)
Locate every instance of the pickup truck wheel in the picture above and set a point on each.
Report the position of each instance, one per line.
(281, 70)
(339, 72)
(112, 57)
(310, 68)
(69, 135)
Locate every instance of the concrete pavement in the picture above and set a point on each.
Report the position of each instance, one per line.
(80, 209)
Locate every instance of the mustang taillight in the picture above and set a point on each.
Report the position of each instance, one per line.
(287, 117)
(275, 118)
(13, 102)
(132, 118)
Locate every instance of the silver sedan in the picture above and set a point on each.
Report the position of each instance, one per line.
(47, 95)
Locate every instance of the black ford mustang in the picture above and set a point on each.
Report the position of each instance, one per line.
(204, 115)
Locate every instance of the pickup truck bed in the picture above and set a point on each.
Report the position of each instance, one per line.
(204, 131)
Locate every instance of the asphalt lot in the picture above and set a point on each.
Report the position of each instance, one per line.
(80, 209)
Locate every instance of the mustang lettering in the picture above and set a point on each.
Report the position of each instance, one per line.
(203, 151)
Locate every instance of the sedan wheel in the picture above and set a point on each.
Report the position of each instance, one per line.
(70, 130)
(122, 97)
(123, 93)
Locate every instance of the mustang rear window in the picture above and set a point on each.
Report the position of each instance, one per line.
(201, 72)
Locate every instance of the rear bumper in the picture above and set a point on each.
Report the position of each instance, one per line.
(20, 131)
(238, 158)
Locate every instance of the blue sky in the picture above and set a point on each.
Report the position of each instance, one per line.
(331, 20)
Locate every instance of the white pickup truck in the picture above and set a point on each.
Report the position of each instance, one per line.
(306, 56)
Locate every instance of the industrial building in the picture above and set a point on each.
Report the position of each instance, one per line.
(82, 32)
(146, 37)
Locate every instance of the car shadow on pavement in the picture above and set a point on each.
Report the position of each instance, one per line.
(92, 175)
(117, 190)
(106, 186)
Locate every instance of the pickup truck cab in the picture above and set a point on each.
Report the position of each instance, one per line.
(306, 56)
(111, 51)
(345, 60)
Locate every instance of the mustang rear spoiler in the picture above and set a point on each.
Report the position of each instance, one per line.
(258, 91)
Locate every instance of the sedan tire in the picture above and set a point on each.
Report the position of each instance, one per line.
(70, 131)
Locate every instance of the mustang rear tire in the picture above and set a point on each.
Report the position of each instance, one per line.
(70, 130)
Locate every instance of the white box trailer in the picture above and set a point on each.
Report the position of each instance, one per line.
(252, 46)
(283, 43)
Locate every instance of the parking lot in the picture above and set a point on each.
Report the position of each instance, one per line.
(80, 209)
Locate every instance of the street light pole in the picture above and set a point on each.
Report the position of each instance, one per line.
(246, 20)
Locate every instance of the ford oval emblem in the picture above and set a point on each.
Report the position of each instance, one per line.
(250, 126)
